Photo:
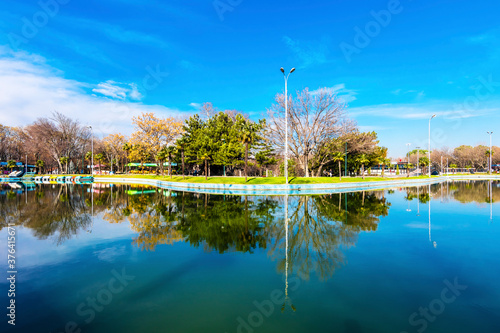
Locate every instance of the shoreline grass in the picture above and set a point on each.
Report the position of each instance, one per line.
(261, 180)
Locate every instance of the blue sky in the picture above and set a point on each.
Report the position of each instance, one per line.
(97, 61)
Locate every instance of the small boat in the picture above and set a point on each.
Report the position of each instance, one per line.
(69, 180)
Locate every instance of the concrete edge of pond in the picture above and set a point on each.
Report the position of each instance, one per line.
(287, 189)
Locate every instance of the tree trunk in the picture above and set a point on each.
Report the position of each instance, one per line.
(170, 166)
(306, 158)
(182, 154)
(363, 171)
(340, 171)
(246, 160)
(206, 169)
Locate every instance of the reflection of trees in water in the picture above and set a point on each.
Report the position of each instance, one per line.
(461, 191)
(225, 223)
(320, 225)
(58, 212)
(478, 192)
(321, 228)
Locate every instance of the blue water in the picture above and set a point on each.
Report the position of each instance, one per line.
(108, 260)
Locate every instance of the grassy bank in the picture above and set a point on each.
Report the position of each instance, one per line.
(260, 180)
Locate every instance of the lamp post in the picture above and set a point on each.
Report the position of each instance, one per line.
(92, 167)
(490, 133)
(418, 160)
(408, 159)
(429, 152)
(286, 120)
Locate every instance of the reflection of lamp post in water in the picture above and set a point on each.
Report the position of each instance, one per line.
(491, 199)
(430, 240)
(287, 299)
(92, 200)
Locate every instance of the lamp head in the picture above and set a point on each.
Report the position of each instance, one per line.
(282, 70)
(292, 70)
(433, 116)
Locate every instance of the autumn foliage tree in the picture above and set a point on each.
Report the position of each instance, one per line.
(153, 133)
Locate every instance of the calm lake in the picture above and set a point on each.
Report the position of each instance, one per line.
(129, 258)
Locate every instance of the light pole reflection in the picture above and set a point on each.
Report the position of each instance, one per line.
(430, 238)
(287, 299)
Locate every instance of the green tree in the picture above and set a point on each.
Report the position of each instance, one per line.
(161, 157)
(99, 157)
(64, 160)
(363, 159)
(265, 158)
(249, 133)
(11, 164)
(127, 147)
(170, 151)
(339, 157)
(385, 161)
(40, 164)
(181, 145)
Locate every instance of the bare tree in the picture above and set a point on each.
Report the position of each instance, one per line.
(313, 120)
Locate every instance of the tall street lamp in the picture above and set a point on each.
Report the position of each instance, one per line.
(286, 120)
(490, 133)
(429, 152)
(92, 133)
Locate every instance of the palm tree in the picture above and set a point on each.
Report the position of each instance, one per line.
(339, 157)
(363, 159)
(181, 143)
(170, 151)
(248, 136)
(40, 164)
(11, 164)
(384, 162)
(88, 157)
(487, 154)
(205, 157)
(64, 160)
(127, 147)
(161, 156)
(99, 157)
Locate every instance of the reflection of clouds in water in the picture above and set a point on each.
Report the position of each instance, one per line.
(421, 226)
(110, 254)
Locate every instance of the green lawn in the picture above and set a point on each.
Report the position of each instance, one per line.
(260, 180)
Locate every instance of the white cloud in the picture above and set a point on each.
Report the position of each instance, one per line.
(32, 89)
(118, 90)
(346, 95)
(447, 110)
